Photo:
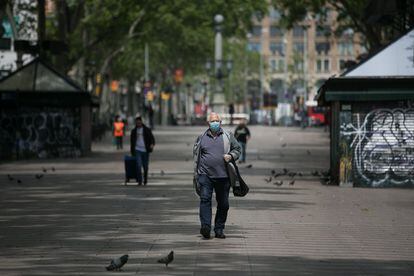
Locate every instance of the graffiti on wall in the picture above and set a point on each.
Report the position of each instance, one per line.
(382, 142)
(43, 133)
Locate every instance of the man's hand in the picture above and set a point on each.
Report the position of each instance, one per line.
(227, 158)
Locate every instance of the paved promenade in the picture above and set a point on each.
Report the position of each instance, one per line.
(77, 217)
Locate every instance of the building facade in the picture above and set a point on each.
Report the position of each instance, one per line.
(297, 61)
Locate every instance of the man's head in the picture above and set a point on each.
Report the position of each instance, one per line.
(138, 121)
(214, 122)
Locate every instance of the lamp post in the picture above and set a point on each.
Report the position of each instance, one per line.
(216, 69)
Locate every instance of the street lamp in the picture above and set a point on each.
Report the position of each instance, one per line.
(221, 68)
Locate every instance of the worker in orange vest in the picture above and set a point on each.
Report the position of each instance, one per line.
(118, 131)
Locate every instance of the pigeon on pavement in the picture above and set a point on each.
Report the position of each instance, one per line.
(278, 183)
(38, 176)
(249, 166)
(167, 259)
(19, 181)
(315, 173)
(292, 182)
(273, 172)
(284, 145)
(44, 170)
(162, 173)
(285, 171)
(292, 174)
(10, 177)
(308, 151)
(53, 169)
(117, 263)
(268, 179)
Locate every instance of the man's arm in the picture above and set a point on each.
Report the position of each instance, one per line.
(235, 149)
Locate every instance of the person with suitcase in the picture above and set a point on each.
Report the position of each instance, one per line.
(142, 144)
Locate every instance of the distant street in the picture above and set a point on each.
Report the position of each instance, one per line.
(78, 215)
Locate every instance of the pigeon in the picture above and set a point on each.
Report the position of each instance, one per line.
(325, 173)
(19, 181)
(273, 172)
(285, 171)
(300, 174)
(188, 144)
(292, 174)
(9, 177)
(44, 170)
(53, 169)
(308, 151)
(162, 173)
(117, 263)
(284, 145)
(315, 173)
(167, 259)
(278, 183)
(38, 176)
(277, 175)
(268, 179)
(249, 166)
(292, 182)
(186, 159)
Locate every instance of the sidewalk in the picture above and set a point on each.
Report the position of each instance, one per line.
(73, 220)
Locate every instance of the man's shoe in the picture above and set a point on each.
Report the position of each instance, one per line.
(220, 235)
(205, 232)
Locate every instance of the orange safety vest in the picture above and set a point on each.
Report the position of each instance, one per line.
(118, 129)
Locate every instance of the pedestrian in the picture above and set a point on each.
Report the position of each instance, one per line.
(151, 116)
(212, 149)
(231, 112)
(118, 128)
(142, 144)
(242, 134)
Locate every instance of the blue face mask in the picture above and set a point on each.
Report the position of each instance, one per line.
(215, 126)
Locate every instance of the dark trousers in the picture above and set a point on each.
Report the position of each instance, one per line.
(221, 187)
(118, 142)
(142, 162)
(243, 151)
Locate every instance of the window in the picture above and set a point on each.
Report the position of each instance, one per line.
(326, 65)
(323, 65)
(341, 64)
(276, 31)
(274, 14)
(298, 31)
(322, 48)
(298, 66)
(323, 30)
(299, 47)
(277, 48)
(345, 48)
(257, 31)
(254, 46)
(277, 65)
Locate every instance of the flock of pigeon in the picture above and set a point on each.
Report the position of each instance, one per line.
(118, 263)
(37, 176)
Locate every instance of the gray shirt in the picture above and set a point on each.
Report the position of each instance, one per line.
(212, 156)
(140, 145)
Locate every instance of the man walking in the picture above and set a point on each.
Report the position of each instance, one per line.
(142, 143)
(212, 149)
(242, 135)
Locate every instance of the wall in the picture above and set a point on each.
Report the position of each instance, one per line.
(376, 144)
(39, 133)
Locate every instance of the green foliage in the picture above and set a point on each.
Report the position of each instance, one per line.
(179, 33)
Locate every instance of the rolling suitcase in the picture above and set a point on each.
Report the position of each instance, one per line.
(130, 168)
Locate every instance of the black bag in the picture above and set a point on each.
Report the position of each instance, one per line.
(240, 188)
